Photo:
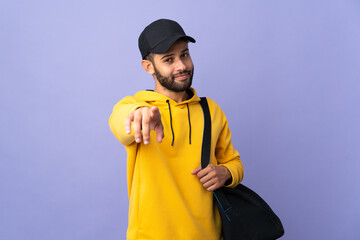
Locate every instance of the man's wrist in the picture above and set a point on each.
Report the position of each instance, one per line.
(228, 180)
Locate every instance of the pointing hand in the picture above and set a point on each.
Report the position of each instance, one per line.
(145, 119)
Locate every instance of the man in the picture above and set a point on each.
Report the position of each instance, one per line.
(162, 130)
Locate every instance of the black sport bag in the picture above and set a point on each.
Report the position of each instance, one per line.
(244, 214)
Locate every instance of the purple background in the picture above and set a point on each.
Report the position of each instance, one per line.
(286, 73)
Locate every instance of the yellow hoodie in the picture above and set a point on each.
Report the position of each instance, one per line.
(166, 201)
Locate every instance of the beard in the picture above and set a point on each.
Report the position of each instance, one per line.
(169, 83)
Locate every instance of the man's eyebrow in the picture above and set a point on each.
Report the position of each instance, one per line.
(172, 54)
(168, 55)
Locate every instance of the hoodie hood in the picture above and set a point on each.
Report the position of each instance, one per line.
(150, 96)
(167, 104)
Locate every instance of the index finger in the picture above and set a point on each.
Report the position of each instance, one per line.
(196, 170)
(203, 172)
(206, 170)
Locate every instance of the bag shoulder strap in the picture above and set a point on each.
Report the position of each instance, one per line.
(206, 144)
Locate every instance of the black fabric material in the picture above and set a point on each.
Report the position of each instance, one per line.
(206, 143)
(244, 214)
(159, 36)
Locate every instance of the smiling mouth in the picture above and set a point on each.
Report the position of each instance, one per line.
(182, 75)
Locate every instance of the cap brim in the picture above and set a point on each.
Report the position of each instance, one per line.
(166, 44)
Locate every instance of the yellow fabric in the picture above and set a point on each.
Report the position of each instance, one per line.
(166, 201)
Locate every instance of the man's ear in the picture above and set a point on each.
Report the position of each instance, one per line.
(148, 66)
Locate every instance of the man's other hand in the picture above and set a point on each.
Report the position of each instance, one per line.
(145, 119)
(212, 177)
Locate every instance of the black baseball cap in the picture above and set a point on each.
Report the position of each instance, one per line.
(159, 36)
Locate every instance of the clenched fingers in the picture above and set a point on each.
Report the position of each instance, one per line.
(212, 177)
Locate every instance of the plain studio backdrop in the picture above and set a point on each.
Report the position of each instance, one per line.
(286, 74)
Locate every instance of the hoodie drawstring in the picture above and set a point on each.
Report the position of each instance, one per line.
(172, 130)
(187, 105)
(171, 125)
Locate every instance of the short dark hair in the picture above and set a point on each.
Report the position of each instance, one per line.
(150, 57)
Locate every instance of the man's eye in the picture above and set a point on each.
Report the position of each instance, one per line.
(168, 60)
(185, 55)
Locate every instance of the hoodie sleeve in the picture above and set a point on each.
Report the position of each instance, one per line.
(117, 119)
(227, 156)
(225, 153)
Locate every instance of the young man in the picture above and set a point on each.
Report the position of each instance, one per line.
(162, 130)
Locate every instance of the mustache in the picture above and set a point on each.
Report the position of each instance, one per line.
(188, 72)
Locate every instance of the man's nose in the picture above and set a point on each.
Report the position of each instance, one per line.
(180, 65)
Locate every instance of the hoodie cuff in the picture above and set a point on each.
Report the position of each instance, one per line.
(136, 106)
(235, 179)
